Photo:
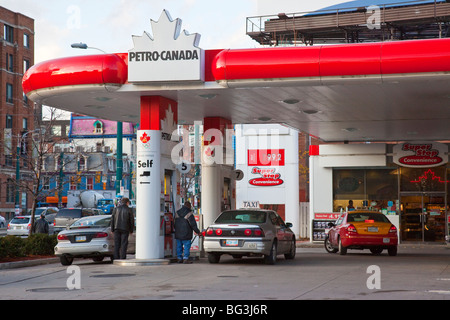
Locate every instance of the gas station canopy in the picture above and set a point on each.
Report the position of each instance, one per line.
(387, 91)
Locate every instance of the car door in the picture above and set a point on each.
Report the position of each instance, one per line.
(286, 235)
(279, 231)
(333, 234)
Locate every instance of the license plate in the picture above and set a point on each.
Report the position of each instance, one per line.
(232, 243)
(386, 240)
(80, 238)
(372, 229)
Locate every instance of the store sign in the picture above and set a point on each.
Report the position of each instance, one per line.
(268, 177)
(170, 55)
(420, 154)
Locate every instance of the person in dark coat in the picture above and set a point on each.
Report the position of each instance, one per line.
(122, 225)
(185, 225)
(41, 225)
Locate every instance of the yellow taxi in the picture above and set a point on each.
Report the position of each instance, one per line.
(362, 230)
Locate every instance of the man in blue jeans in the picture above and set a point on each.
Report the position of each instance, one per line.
(185, 224)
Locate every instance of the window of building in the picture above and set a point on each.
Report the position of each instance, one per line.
(26, 65)
(8, 33)
(9, 93)
(90, 183)
(9, 62)
(9, 121)
(423, 179)
(10, 188)
(367, 188)
(26, 40)
(56, 130)
(98, 127)
(25, 123)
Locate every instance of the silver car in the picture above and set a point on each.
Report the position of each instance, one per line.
(246, 232)
(20, 226)
(89, 237)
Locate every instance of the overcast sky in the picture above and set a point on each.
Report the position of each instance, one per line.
(109, 24)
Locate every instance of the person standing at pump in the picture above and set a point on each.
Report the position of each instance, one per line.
(185, 224)
(122, 225)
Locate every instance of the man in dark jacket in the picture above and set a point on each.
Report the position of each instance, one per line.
(122, 224)
(41, 225)
(185, 224)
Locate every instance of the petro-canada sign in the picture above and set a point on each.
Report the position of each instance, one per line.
(169, 56)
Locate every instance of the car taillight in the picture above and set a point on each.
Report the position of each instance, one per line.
(351, 228)
(259, 233)
(218, 232)
(62, 237)
(9, 226)
(209, 232)
(100, 235)
(248, 232)
(369, 221)
(393, 229)
(29, 226)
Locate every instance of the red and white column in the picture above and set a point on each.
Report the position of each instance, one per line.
(149, 234)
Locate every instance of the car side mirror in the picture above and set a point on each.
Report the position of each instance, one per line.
(331, 225)
(289, 225)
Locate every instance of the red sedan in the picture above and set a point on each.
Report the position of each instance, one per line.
(362, 230)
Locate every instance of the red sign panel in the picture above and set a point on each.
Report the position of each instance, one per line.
(268, 157)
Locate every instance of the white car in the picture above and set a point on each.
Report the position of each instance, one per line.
(2, 222)
(89, 237)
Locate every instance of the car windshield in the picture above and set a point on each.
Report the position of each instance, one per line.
(103, 202)
(363, 216)
(91, 222)
(69, 213)
(242, 217)
(20, 220)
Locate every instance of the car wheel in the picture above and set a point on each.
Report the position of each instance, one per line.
(66, 260)
(291, 253)
(271, 258)
(342, 249)
(392, 251)
(98, 259)
(376, 251)
(213, 257)
(328, 246)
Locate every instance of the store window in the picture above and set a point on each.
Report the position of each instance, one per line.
(367, 188)
(423, 179)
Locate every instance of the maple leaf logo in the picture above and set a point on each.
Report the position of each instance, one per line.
(209, 152)
(145, 138)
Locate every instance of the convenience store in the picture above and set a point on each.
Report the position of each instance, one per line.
(406, 181)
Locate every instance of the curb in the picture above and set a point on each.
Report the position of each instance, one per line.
(28, 263)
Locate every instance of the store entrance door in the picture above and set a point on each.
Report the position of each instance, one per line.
(422, 217)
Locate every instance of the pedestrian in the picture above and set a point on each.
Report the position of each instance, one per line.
(185, 224)
(41, 225)
(122, 225)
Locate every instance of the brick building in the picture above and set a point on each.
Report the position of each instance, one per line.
(16, 111)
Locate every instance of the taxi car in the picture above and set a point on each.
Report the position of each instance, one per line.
(245, 232)
(89, 237)
(362, 230)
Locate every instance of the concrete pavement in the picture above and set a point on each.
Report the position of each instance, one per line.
(418, 272)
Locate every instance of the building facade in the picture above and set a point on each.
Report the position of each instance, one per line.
(16, 110)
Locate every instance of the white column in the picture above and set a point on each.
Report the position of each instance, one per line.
(148, 194)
